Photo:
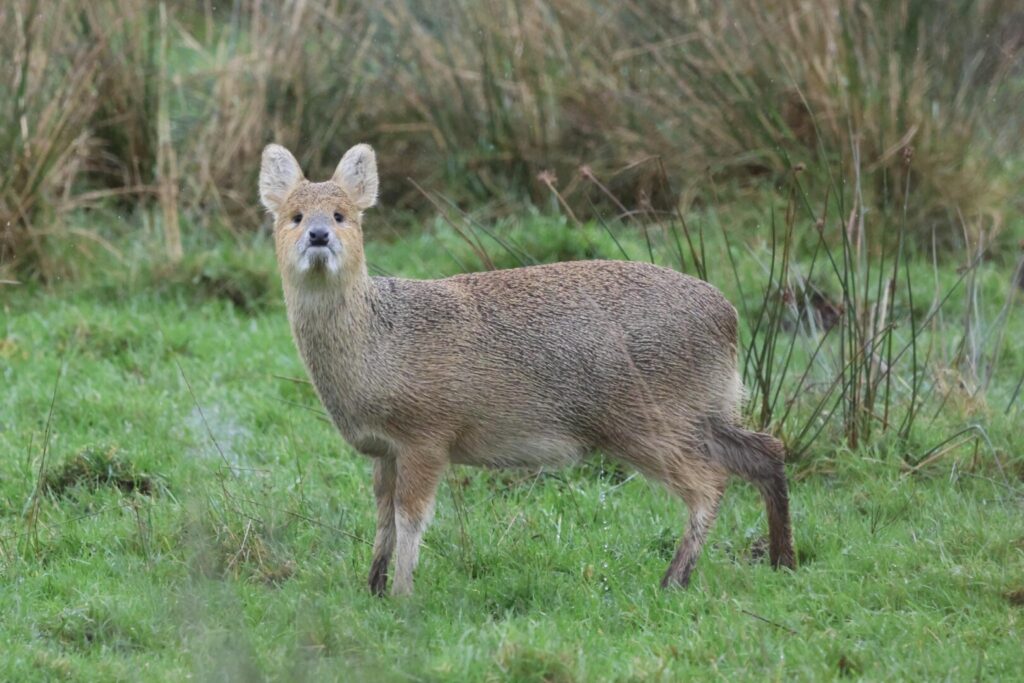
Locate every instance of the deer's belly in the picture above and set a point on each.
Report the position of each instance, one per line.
(522, 450)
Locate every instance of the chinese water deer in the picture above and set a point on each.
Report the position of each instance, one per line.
(529, 367)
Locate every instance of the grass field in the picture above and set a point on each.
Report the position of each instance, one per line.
(173, 504)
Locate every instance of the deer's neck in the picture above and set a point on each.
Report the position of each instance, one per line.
(333, 327)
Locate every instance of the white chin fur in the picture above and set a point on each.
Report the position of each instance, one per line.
(318, 259)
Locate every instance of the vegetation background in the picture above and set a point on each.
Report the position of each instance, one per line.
(172, 501)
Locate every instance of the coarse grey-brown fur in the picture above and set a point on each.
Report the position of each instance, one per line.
(530, 367)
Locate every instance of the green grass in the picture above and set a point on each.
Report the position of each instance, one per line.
(246, 555)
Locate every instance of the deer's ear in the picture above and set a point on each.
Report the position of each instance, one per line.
(357, 176)
(279, 174)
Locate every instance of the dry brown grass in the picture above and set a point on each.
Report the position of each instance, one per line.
(739, 89)
(47, 99)
(171, 103)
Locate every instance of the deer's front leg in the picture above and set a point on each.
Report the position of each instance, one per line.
(418, 474)
(384, 475)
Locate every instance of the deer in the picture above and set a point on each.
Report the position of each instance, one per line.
(532, 367)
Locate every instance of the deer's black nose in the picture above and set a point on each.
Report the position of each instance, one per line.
(318, 237)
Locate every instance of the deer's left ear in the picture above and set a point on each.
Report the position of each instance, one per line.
(279, 174)
(357, 176)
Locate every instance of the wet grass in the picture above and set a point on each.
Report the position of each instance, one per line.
(249, 560)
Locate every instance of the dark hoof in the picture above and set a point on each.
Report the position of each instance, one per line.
(782, 555)
(379, 577)
(784, 560)
(671, 582)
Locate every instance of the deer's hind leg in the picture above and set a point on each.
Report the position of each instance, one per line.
(702, 491)
(686, 471)
(760, 459)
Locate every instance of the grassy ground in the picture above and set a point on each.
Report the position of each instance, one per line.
(186, 511)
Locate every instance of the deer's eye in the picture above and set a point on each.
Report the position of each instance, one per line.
(338, 218)
(297, 218)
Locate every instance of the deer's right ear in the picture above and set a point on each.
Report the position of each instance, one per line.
(279, 173)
